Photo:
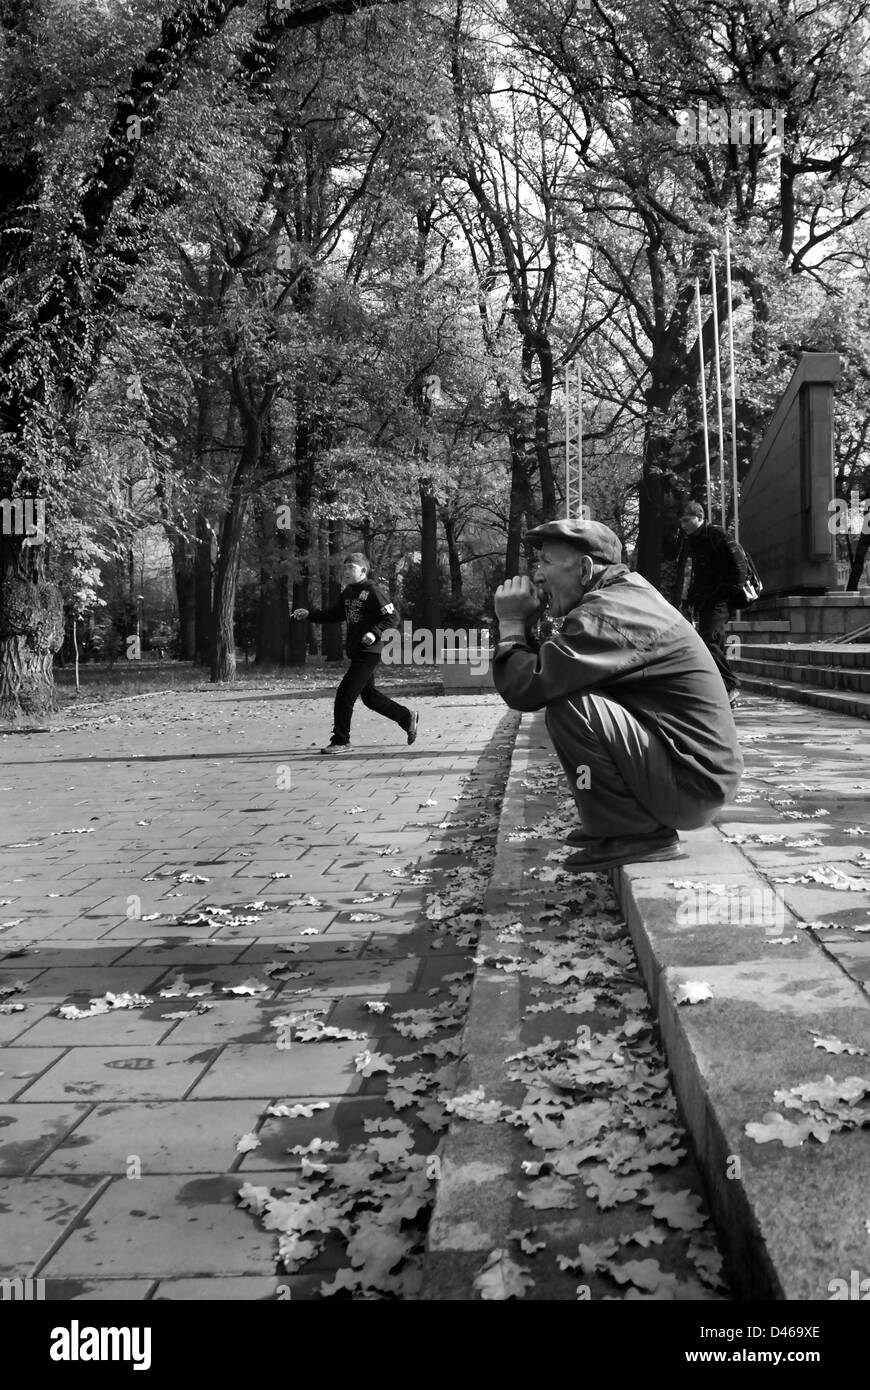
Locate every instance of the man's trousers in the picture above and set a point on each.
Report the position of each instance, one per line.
(358, 682)
(621, 773)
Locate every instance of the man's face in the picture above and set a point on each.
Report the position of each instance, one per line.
(352, 573)
(690, 523)
(561, 575)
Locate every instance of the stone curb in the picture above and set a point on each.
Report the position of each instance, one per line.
(480, 1164)
(789, 1220)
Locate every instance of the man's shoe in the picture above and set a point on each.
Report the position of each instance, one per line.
(336, 748)
(412, 727)
(734, 697)
(626, 849)
(579, 837)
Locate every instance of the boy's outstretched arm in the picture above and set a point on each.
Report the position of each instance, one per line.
(333, 614)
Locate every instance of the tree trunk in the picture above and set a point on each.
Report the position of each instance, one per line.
(184, 570)
(542, 433)
(333, 647)
(449, 524)
(31, 631)
(520, 505)
(656, 492)
(302, 544)
(223, 643)
(204, 559)
(431, 601)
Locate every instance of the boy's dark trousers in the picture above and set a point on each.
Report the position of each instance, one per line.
(712, 623)
(359, 682)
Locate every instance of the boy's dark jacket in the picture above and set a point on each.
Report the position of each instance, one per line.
(365, 608)
(718, 568)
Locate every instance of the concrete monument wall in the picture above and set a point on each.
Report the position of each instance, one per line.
(785, 495)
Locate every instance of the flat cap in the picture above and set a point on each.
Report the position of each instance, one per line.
(592, 537)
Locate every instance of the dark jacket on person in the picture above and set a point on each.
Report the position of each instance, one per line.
(718, 568)
(626, 642)
(365, 608)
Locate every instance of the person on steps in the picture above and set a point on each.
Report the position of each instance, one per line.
(711, 571)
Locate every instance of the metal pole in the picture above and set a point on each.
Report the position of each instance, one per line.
(579, 440)
(735, 498)
(567, 443)
(703, 396)
(718, 391)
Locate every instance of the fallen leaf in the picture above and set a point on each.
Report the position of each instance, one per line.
(680, 1210)
(502, 1278)
(835, 1045)
(549, 1193)
(303, 1110)
(692, 992)
(368, 1063)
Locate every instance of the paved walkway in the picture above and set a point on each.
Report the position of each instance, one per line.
(195, 850)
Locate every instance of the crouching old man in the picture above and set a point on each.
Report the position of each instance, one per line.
(635, 706)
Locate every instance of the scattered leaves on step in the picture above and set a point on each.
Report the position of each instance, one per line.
(107, 1004)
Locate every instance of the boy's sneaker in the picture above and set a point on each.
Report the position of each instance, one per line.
(734, 697)
(412, 727)
(336, 748)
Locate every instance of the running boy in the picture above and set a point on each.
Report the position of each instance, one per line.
(369, 614)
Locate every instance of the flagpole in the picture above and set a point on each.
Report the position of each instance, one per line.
(734, 486)
(703, 397)
(718, 390)
(567, 443)
(579, 440)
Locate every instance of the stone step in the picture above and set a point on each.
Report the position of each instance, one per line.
(843, 702)
(823, 677)
(758, 625)
(842, 654)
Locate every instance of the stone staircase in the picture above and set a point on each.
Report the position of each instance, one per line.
(807, 648)
(835, 677)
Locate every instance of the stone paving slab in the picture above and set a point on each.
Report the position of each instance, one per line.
(168, 1225)
(29, 1133)
(163, 1136)
(37, 1214)
(178, 1094)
